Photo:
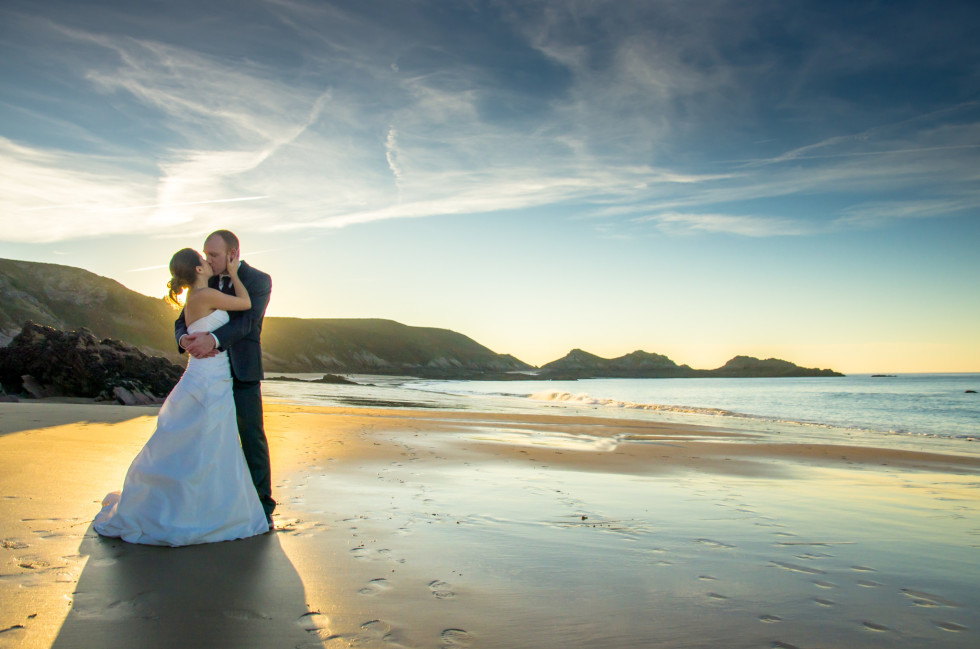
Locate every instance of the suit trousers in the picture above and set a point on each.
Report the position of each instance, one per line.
(255, 446)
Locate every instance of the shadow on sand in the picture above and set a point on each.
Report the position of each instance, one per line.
(237, 594)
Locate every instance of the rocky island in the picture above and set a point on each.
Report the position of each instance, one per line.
(579, 364)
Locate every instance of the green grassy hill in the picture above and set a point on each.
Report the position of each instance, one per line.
(68, 298)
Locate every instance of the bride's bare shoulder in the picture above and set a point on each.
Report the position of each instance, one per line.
(202, 295)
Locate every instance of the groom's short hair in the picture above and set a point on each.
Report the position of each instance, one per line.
(228, 237)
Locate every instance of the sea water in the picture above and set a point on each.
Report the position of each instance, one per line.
(913, 406)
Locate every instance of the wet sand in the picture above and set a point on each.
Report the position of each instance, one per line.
(406, 528)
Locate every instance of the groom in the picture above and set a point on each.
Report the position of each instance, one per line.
(240, 338)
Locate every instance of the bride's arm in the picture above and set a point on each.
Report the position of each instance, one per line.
(240, 301)
(215, 299)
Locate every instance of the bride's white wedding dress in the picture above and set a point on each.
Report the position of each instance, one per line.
(190, 483)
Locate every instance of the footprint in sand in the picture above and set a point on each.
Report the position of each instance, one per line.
(949, 626)
(824, 584)
(368, 554)
(376, 630)
(313, 621)
(922, 598)
(874, 626)
(455, 639)
(863, 569)
(707, 578)
(795, 568)
(824, 602)
(14, 634)
(13, 544)
(441, 589)
(717, 596)
(782, 645)
(31, 563)
(374, 587)
(714, 544)
(867, 583)
(770, 619)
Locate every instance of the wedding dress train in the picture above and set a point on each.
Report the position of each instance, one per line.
(189, 484)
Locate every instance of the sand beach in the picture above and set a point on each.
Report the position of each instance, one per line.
(411, 528)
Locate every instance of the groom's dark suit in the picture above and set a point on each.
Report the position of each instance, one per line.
(241, 339)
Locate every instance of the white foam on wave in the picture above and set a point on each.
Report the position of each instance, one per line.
(588, 400)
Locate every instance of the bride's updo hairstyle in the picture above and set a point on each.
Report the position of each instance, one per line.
(183, 272)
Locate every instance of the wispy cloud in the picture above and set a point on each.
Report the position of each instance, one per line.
(622, 112)
(877, 214)
(749, 226)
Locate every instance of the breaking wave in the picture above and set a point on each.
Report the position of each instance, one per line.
(584, 399)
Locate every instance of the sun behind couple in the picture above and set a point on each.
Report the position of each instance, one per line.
(204, 474)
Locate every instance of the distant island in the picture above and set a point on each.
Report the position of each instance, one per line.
(579, 364)
(68, 298)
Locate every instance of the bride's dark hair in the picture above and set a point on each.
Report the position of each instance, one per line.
(183, 272)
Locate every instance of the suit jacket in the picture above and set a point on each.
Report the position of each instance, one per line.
(240, 337)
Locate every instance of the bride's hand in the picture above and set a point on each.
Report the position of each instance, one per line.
(233, 263)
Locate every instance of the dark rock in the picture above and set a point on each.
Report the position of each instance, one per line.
(32, 387)
(326, 378)
(334, 379)
(77, 364)
(6, 398)
(124, 396)
(971, 392)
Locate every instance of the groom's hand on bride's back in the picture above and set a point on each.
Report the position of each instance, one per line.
(199, 345)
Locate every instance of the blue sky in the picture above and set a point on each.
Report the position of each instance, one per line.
(700, 179)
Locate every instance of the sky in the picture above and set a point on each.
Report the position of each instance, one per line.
(699, 179)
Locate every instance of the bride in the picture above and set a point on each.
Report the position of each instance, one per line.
(190, 483)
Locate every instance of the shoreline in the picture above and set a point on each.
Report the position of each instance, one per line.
(860, 408)
(428, 528)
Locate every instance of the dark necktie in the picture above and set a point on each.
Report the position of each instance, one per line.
(225, 283)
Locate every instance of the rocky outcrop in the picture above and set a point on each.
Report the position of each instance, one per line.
(44, 362)
(332, 379)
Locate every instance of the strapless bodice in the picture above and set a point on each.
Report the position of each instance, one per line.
(210, 322)
(214, 367)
